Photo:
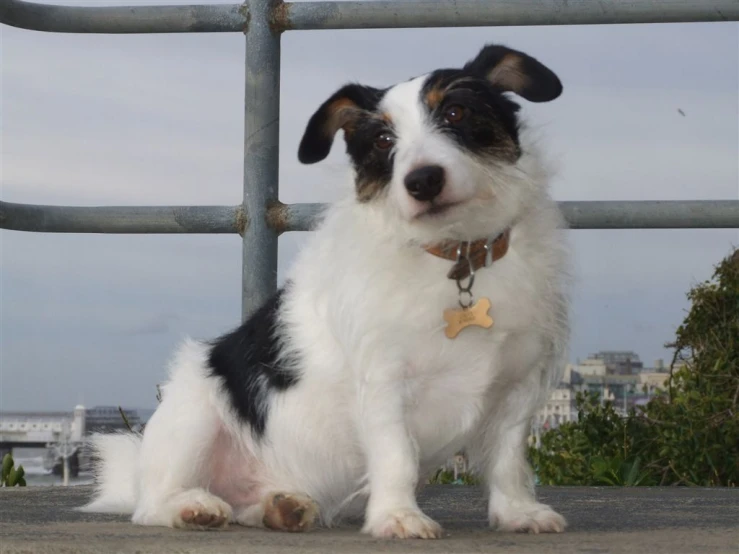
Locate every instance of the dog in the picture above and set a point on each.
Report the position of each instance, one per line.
(427, 314)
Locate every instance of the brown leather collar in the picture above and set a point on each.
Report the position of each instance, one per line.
(478, 254)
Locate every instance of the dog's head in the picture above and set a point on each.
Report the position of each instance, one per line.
(442, 151)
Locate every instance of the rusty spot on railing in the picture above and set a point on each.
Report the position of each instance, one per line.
(280, 18)
(241, 220)
(244, 11)
(277, 217)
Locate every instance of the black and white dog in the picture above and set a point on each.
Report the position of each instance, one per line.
(427, 314)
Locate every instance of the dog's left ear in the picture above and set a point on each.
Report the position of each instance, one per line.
(340, 111)
(514, 71)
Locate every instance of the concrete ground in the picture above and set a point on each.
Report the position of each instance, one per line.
(602, 521)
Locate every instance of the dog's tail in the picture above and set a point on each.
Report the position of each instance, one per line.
(116, 456)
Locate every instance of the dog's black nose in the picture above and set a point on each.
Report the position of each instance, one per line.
(425, 183)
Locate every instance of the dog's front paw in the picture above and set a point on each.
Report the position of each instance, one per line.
(289, 512)
(403, 524)
(198, 509)
(534, 518)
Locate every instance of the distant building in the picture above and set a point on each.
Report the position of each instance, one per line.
(619, 362)
(587, 367)
(558, 409)
(104, 419)
(653, 381)
(613, 376)
(35, 429)
(622, 390)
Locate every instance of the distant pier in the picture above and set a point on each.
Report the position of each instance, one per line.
(62, 433)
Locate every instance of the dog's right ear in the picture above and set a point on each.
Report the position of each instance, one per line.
(338, 112)
(514, 71)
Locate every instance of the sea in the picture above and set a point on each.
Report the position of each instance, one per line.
(32, 460)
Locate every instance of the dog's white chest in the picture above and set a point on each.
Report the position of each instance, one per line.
(445, 387)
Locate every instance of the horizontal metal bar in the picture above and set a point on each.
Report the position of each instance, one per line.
(218, 18)
(651, 214)
(223, 18)
(294, 217)
(668, 214)
(122, 219)
(491, 13)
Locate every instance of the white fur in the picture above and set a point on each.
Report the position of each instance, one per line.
(120, 452)
(384, 397)
(419, 144)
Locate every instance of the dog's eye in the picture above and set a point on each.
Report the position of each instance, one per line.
(384, 141)
(454, 114)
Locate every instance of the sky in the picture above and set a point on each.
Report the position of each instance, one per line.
(157, 119)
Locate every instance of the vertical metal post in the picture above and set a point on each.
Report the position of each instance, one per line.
(261, 154)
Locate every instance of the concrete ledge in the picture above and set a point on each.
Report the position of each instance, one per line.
(602, 521)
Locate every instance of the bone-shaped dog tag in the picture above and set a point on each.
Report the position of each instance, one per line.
(459, 318)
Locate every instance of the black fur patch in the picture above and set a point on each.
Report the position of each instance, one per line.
(352, 108)
(323, 124)
(374, 166)
(527, 76)
(490, 122)
(246, 360)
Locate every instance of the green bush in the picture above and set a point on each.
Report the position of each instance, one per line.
(598, 449)
(688, 434)
(11, 476)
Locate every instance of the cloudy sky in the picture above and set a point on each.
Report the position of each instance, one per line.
(92, 120)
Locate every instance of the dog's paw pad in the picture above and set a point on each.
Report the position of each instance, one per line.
(289, 512)
(538, 519)
(202, 519)
(203, 512)
(403, 524)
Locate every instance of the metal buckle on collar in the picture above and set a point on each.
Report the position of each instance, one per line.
(465, 291)
(466, 256)
(489, 252)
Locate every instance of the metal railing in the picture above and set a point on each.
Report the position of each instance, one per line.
(262, 217)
